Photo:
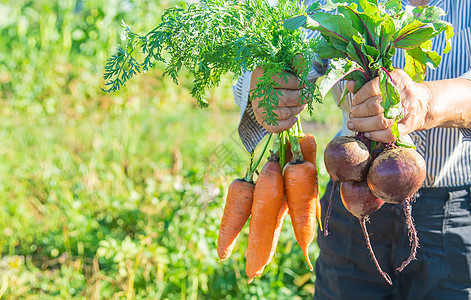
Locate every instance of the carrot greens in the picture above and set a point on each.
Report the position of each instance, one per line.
(214, 37)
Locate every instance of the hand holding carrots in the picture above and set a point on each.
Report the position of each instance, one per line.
(289, 105)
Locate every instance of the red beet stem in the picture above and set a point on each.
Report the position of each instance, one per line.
(329, 208)
(385, 275)
(414, 240)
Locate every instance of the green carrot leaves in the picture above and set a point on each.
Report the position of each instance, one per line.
(213, 37)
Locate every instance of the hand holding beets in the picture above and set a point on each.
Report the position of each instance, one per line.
(367, 115)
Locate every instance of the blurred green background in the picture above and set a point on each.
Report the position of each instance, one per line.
(120, 196)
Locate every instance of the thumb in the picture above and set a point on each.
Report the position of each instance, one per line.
(351, 86)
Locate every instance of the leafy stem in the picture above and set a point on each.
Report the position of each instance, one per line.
(252, 168)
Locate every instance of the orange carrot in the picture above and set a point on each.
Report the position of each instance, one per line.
(236, 213)
(301, 189)
(279, 224)
(318, 210)
(308, 148)
(268, 197)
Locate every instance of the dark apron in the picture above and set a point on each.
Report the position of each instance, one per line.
(345, 270)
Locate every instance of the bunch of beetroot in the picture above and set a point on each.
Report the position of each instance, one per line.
(360, 37)
(368, 180)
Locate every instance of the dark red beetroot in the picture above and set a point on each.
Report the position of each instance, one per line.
(347, 159)
(396, 174)
(394, 177)
(360, 202)
(358, 199)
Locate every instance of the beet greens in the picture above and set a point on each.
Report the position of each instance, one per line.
(363, 37)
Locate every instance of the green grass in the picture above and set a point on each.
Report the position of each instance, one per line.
(120, 196)
(129, 202)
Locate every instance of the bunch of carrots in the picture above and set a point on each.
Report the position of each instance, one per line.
(287, 183)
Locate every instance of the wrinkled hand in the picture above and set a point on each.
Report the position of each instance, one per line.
(288, 107)
(367, 115)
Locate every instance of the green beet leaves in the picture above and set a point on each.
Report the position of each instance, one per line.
(361, 37)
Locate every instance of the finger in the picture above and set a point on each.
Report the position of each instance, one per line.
(289, 98)
(281, 126)
(370, 107)
(298, 109)
(382, 136)
(351, 85)
(287, 80)
(284, 113)
(369, 90)
(369, 124)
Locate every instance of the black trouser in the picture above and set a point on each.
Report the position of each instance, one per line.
(345, 270)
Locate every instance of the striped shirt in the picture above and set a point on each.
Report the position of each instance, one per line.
(447, 151)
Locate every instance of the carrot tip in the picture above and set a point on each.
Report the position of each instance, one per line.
(308, 260)
(250, 280)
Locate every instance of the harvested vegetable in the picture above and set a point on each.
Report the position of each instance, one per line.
(236, 213)
(268, 198)
(347, 159)
(394, 177)
(301, 188)
(396, 174)
(360, 202)
(309, 150)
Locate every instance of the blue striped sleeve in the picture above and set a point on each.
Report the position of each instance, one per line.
(466, 75)
(240, 90)
(250, 131)
(466, 131)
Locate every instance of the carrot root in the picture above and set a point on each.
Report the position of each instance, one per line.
(306, 255)
(268, 198)
(302, 192)
(236, 213)
(318, 212)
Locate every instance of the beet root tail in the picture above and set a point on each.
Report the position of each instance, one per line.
(329, 208)
(414, 240)
(368, 244)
